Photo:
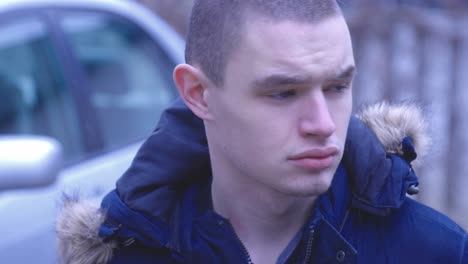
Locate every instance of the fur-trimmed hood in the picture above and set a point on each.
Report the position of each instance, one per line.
(79, 226)
(77, 231)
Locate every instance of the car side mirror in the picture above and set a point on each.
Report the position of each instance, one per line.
(29, 161)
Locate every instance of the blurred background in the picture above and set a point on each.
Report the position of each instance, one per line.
(83, 83)
(406, 50)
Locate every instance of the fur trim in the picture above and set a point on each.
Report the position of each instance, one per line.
(393, 122)
(77, 232)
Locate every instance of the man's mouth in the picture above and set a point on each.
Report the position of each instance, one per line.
(315, 159)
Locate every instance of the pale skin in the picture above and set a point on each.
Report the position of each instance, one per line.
(286, 92)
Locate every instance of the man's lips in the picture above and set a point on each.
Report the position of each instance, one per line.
(315, 159)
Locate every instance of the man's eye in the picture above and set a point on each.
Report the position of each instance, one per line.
(282, 95)
(337, 88)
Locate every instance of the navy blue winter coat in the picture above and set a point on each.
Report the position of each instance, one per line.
(160, 211)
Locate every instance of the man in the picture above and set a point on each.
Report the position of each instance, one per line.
(271, 81)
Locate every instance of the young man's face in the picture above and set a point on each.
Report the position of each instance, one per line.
(281, 117)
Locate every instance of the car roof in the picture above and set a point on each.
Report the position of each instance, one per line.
(18, 4)
(7, 4)
(158, 28)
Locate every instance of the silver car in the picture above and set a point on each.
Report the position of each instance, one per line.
(82, 82)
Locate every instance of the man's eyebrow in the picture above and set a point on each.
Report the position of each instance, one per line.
(276, 80)
(347, 74)
(281, 79)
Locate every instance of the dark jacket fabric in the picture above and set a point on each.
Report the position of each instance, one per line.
(161, 212)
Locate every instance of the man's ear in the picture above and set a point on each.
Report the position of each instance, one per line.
(192, 85)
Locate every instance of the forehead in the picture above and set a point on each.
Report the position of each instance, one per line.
(318, 49)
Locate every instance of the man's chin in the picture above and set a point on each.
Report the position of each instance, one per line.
(311, 185)
(308, 189)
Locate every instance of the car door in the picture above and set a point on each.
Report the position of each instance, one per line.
(127, 81)
(105, 82)
(37, 99)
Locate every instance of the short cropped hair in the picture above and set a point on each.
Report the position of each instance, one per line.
(216, 27)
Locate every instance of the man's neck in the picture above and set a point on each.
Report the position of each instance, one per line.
(265, 220)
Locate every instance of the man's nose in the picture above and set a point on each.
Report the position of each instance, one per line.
(316, 119)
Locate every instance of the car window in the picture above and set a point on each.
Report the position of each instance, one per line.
(129, 75)
(34, 96)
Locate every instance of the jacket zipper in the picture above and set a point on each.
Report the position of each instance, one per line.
(246, 253)
(310, 242)
(344, 220)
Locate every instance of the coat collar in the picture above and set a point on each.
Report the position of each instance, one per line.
(373, 181)
(148, 198)
(379, 180)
